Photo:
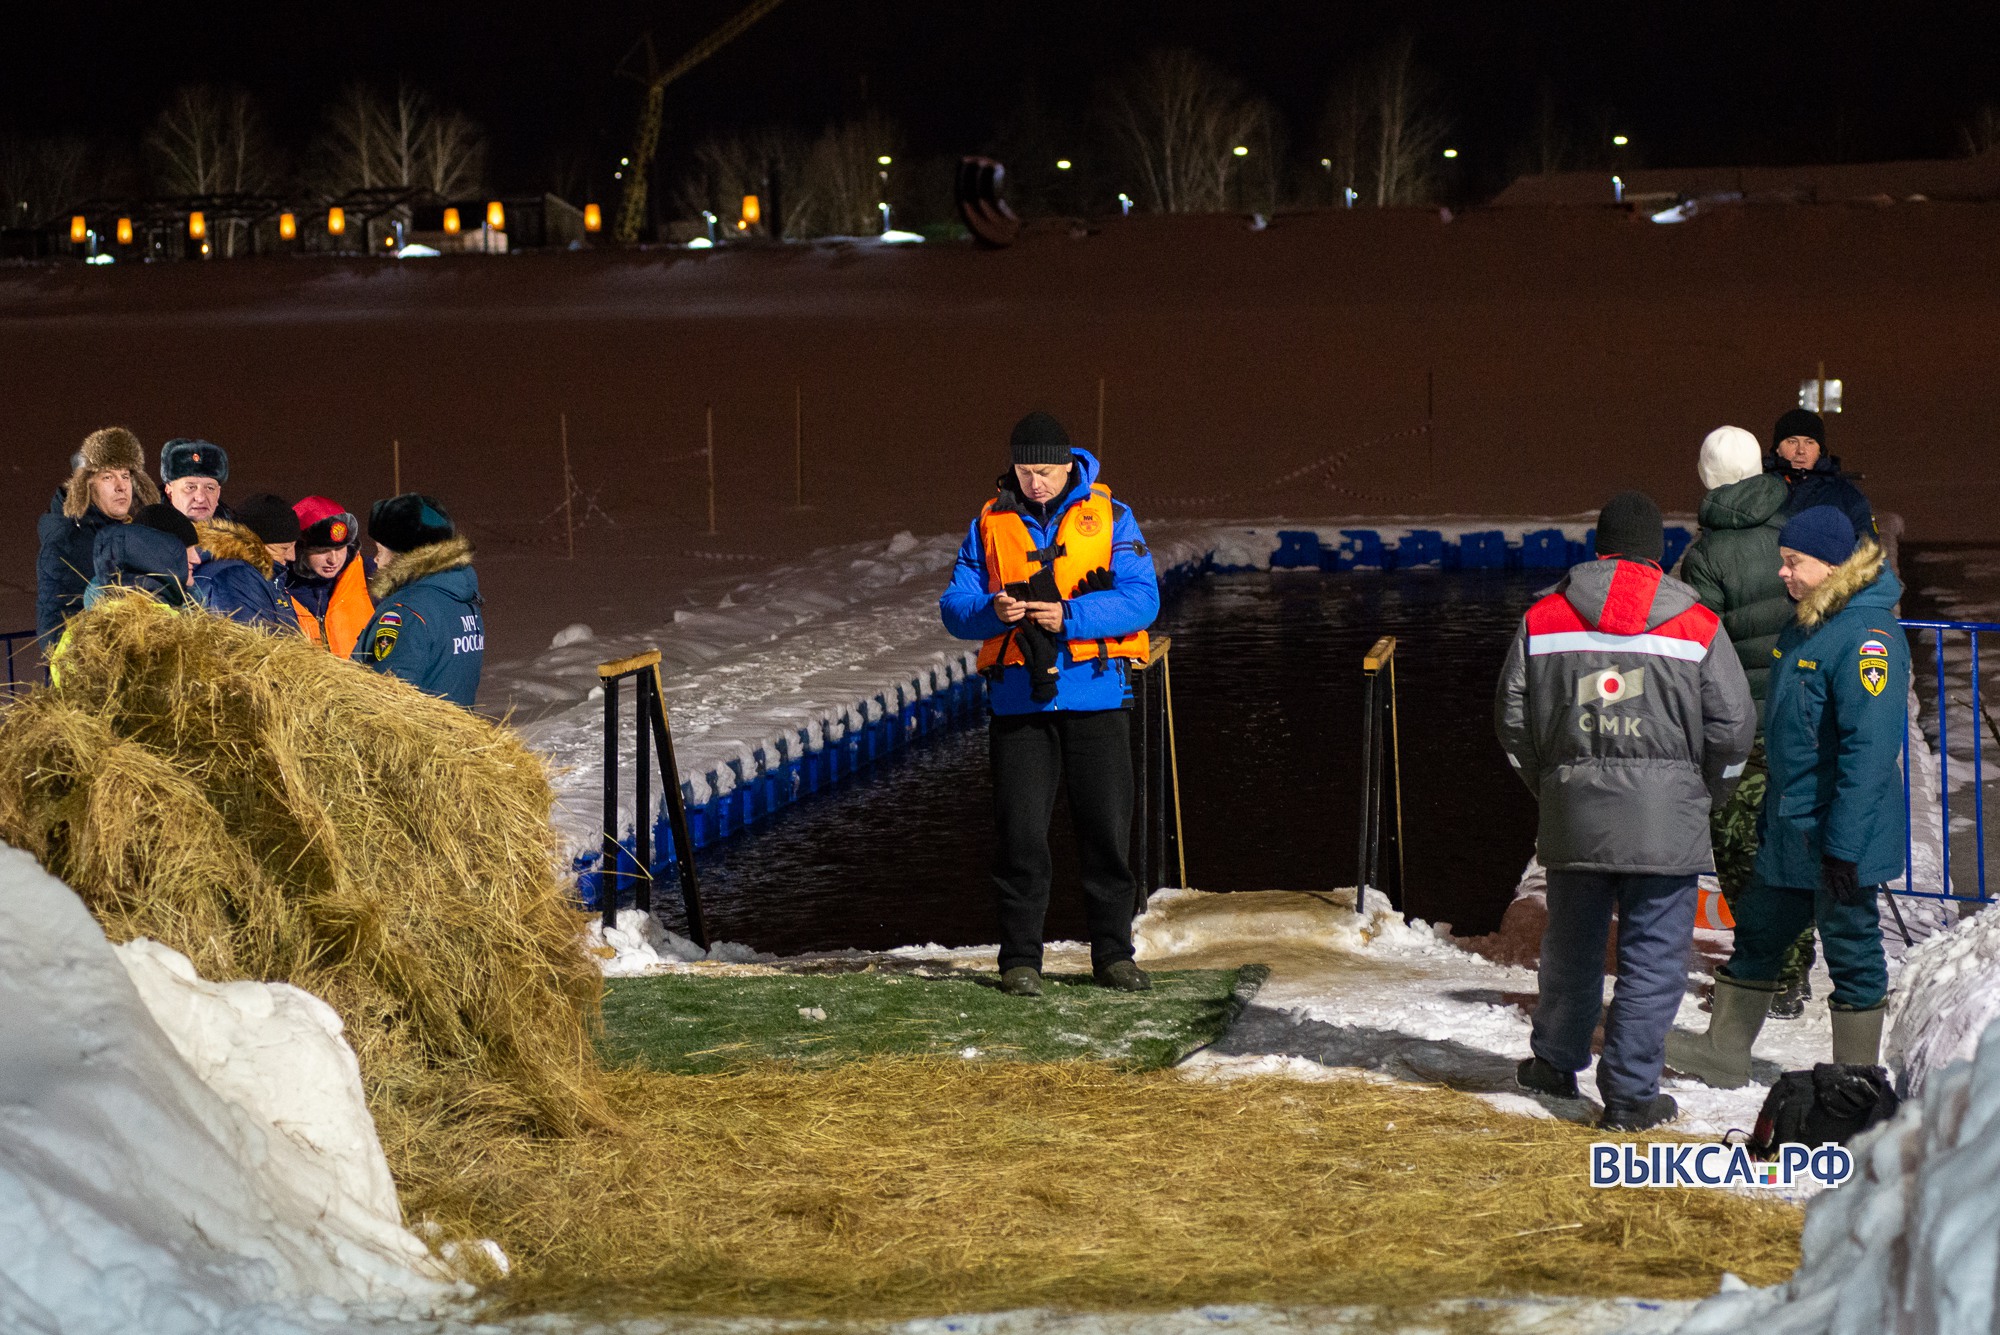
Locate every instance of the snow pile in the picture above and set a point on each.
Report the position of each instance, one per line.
(136, 1197)
(1911, 1243)
(639, 945)
(1189, 922)
(1950, 995)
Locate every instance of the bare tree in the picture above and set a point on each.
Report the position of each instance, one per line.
(843, 180)
(1382, 130)
(1981, 134)
(371, 140)
(211, 141)
(1409, 129)
(1178, 122)
(41, 178)
(728, 169)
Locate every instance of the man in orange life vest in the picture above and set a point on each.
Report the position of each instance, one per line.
(1056, 581)
(328, 580)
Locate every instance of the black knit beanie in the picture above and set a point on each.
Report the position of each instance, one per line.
(1629, 526)
(165, 519)
(1039, 439)
(407, 522)
(269, 518)
(1799, 422)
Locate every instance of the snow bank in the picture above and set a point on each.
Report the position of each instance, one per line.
(639, 945)
(1911, 1243)
(1949, 996)
(135, 1195)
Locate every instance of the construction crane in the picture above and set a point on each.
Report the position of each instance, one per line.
(632, 207)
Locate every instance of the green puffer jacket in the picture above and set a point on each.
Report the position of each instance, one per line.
(1733, 567)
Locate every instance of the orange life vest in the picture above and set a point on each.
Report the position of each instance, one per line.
(348, 611)
(1083, 544)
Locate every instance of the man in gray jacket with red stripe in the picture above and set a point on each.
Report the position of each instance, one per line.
(1624, 709)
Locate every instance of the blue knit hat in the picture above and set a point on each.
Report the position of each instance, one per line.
(1823, 531)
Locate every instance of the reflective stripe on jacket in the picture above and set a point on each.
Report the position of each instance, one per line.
(1625, 710)
(1083, 544)
(349, 609)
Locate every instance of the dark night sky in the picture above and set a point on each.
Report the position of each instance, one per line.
(1714, 82)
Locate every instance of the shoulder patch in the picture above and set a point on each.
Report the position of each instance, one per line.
(1874, 666)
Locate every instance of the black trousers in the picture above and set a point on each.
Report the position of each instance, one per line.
(1032, 754)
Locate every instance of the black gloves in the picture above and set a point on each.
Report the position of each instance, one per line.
(1838, 879)
(1097, 581)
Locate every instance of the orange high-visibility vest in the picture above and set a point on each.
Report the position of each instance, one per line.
(1083, 544)
(348, 611)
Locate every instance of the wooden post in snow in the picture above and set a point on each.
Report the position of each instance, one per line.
(569, 489)
(396, 466)
(798, 448)
(1100, 419)
(711, 468)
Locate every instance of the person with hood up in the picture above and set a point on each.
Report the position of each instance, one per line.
(328, 579)
(152, 555)
(1623, 708)
(237, 576)
(1798, 457)
(427, 628)
(1733, 569)
(1055, 579)
(192, 473)
(106, 484)
(1832, 830)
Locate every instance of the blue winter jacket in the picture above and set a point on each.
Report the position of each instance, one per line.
(64, 565)
(1824, 484)
(1834, 715)
(427, 627)
(237, 577)
(134, 556)
(1129, 605)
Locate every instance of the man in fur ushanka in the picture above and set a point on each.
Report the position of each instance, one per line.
(427, 628)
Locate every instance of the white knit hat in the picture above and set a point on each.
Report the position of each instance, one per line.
(1729, 454)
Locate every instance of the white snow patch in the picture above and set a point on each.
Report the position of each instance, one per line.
(134, 1196)
(1949, 996)
(574, 633)
(639, 945)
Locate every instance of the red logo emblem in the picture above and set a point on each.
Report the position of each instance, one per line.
(1088, 524)
(338, 532)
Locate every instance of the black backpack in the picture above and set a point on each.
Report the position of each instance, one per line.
(1831, 1102)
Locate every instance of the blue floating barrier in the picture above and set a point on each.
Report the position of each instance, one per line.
(1483, 551)
(1298, 549)
(1360, 549)
(1420, 548)
(1545, 549)
(1678, 539)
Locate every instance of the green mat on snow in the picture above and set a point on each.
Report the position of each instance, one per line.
(691, 1024)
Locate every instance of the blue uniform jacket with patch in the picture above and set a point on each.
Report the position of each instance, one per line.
(237, 577)
(1129, 605)
(427, 627)
(1834, 715)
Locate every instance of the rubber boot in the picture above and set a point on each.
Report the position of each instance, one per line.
(1721, 1057)
(1857, 1036)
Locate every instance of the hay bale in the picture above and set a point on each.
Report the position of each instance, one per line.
(902, 1186)
(278, 814)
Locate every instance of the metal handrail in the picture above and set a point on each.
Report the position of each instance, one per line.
(1159, 771)
(653, 732)
(1939, 630)
(1381, 750)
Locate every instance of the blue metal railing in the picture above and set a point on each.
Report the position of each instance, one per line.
(1972, 630)
(22, 671)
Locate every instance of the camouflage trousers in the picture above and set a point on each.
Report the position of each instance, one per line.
(1733, 829)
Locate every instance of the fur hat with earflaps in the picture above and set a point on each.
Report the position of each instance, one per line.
(113, 447)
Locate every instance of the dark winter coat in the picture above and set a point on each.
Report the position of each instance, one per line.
(1833, 731)
(236, 577)
(65, 564)
(1733, 569)
(427, 627)
(1128, 606)
(1824, 484)
(134, 556)
(1625, 711)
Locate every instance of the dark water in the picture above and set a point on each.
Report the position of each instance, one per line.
(1267, 681)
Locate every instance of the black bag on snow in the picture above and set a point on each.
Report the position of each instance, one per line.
(1831, 1102)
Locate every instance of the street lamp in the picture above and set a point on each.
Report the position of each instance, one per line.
(124, 231)
(336, 221)
(1124, 204)
(1451, 152)
(1240, 151)
(288, 226)
(496, 216)
(884, 160)
(451, 223)
(593, 218)
(197, 226)
(1620, 140)
(79, 229)
(1062, 164)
